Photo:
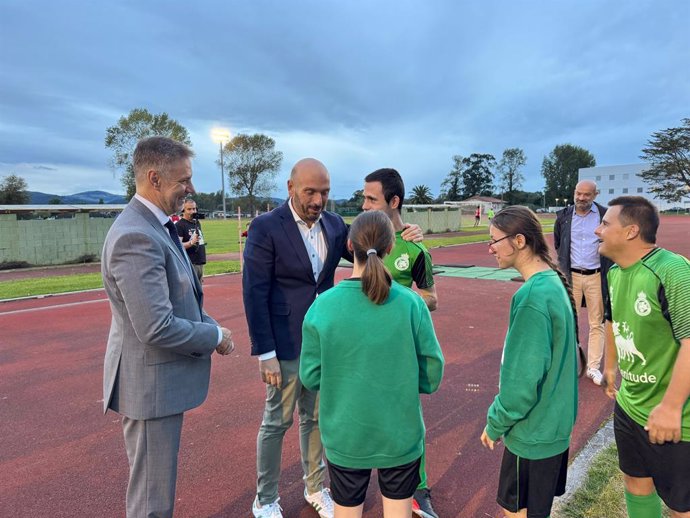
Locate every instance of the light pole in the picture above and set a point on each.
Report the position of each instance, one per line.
(221, 135)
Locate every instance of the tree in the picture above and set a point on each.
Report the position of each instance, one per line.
(477, 175)
(510, 176)
(252, 164)
(123, 137)
(668, 155)
(420, 195)
(357, 199)
(451, 188)
(209, 201)
(560, 169)
(13, 190)
(55, 200)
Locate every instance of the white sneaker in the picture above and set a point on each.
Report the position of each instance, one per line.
(595, 376)
(321, 501)
(267, 511)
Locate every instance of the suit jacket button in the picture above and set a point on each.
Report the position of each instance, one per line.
(196, 355)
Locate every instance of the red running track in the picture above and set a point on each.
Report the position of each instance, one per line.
(61, 457)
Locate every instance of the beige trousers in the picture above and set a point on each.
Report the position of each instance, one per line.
(590, 287)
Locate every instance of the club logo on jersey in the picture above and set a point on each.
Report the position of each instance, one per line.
(642, 306)
(402, 263)
(625, 343)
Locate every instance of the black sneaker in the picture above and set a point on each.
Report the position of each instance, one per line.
(421, 504)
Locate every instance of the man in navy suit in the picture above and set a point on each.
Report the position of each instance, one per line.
(290, 258)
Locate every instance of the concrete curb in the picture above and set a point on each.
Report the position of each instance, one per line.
(579, 467)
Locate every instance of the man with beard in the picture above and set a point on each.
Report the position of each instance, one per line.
(579, 260)
(290, 257)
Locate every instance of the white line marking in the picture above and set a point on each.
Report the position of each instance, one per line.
(31, 310)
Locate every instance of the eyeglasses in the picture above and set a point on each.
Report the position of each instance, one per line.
(494, 241)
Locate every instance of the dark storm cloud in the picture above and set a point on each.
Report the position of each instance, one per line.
(405, 83)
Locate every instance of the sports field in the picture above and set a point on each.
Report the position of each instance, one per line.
(61, 457)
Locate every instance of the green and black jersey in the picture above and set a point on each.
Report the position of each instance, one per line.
(410, 262)
(648, 305)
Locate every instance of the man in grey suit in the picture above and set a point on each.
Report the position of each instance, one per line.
(158, 359)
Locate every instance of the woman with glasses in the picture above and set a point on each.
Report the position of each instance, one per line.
(369, 346)
(535, 409)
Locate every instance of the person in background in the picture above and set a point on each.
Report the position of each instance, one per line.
(648, 340)
(535, 409)
(189, 230)
(578, 256)
(370, 348)
(477, 215)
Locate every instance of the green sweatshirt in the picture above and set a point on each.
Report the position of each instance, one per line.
(536, 406)
(370, 363)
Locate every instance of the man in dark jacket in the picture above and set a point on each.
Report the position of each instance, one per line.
(578, 256)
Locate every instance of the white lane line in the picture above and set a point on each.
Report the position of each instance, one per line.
(31, 310)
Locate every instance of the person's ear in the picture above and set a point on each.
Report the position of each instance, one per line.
(154, 178)
(395, 202)
(520, 241)
(632, 232)
(349, 246)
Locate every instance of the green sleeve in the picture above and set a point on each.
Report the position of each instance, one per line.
(526, 357)
(429, 355)
(676, 285)
(310, 357)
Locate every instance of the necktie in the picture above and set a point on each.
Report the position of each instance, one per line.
(172, 230)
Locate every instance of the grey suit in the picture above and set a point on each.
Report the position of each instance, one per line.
(158, 359)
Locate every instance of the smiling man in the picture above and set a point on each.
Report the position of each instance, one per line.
(158, 360)
(648, 339)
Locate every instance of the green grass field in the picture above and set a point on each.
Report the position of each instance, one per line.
(221, 237)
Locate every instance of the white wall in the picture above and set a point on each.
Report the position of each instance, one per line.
(623, 180)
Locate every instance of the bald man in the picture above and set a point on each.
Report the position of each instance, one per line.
(578, 256)
(290, 258)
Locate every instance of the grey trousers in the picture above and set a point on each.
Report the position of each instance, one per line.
(152, 447)
(278, 417)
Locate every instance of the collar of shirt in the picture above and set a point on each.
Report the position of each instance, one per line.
(299, 220)
(314, 242)
(592, 210)
(161, 216)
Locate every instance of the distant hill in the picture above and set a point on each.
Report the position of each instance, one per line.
(80, 198)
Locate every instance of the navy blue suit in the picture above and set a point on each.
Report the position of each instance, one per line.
(278, 285)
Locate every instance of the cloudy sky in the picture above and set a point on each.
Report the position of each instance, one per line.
(357, 84)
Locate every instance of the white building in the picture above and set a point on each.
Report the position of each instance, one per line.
(624, 180)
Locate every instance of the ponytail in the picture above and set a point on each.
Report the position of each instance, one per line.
(372, 235)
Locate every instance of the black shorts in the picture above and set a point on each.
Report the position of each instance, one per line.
(349, 486)
(531, 484)
(667, 464)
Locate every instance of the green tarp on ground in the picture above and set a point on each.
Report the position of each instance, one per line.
(477, 272)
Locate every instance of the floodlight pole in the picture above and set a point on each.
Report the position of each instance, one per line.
(222, 178)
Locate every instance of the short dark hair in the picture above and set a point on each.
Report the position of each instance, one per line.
(391, 183)
(158, 153)
(636, 210)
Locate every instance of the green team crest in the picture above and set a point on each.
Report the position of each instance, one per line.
(642, 306)
(402, 263)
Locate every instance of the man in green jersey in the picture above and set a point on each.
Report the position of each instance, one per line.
(408, 262)
(647, 315)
